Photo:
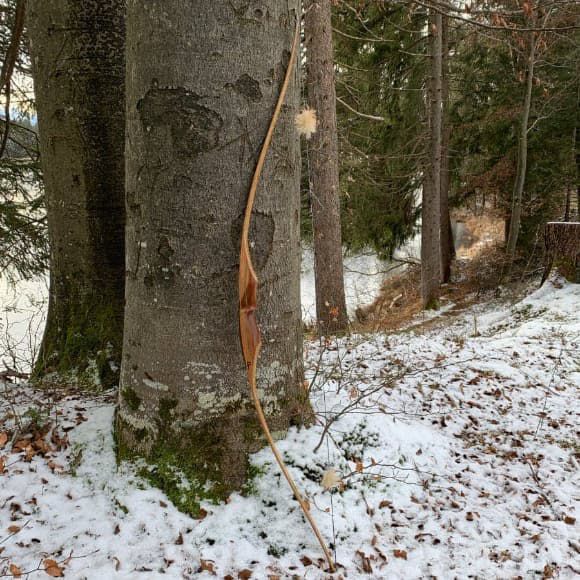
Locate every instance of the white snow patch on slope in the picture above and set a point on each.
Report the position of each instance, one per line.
(457, 449)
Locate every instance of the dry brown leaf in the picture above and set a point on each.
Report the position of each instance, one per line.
(15, 571)
(42, 446)
(548, 572)
(306, 561)
(366, 562)
(54, 466)
(117, 563)
(59, 442)
(20, 445)
(207, 566)
(14, 529)
(244, 574)
(381, 554)
(2, 464)
(400, 554)
(52, 568)
(3, 439)
(569, 520)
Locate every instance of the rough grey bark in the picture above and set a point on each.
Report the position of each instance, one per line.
(202, 82)
(447, 245)
(568, 204)
(431, 206)
(577, 158)
(77, 50)
(323, 165)
(516, 209)
(562, 247)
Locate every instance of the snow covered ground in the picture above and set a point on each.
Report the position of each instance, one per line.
(22, 319)
(364, 275)
(456, 450)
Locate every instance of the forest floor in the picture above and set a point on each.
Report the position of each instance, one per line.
(480, 270)
(454, 446)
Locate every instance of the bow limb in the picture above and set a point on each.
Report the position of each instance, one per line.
(250, 337)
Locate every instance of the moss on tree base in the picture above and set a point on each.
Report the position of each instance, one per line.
(81, 345)
(201, 463)
(190, 466)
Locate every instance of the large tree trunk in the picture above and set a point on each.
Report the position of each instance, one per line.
(77, 50)
(323, 163)
(516, 209)
(447, 246)
(202, 82)
(431, 207)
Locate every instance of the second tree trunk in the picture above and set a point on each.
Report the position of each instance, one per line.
(431, 207)
(78, 62)
(323, 163)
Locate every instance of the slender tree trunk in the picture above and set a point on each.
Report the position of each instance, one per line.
(431, 210)
(576, 141)
(516, 210)
(577, 158)
(447, 246)
(77, 51)
(323, 162)
(202, 82)
(568, 204)
(447, 242)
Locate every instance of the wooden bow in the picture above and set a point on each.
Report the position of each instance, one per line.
(248, 295)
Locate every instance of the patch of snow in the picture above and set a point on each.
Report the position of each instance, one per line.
(456, 449)
(22, 320)
(364, 275)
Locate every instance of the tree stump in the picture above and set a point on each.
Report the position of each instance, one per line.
(562, 245)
